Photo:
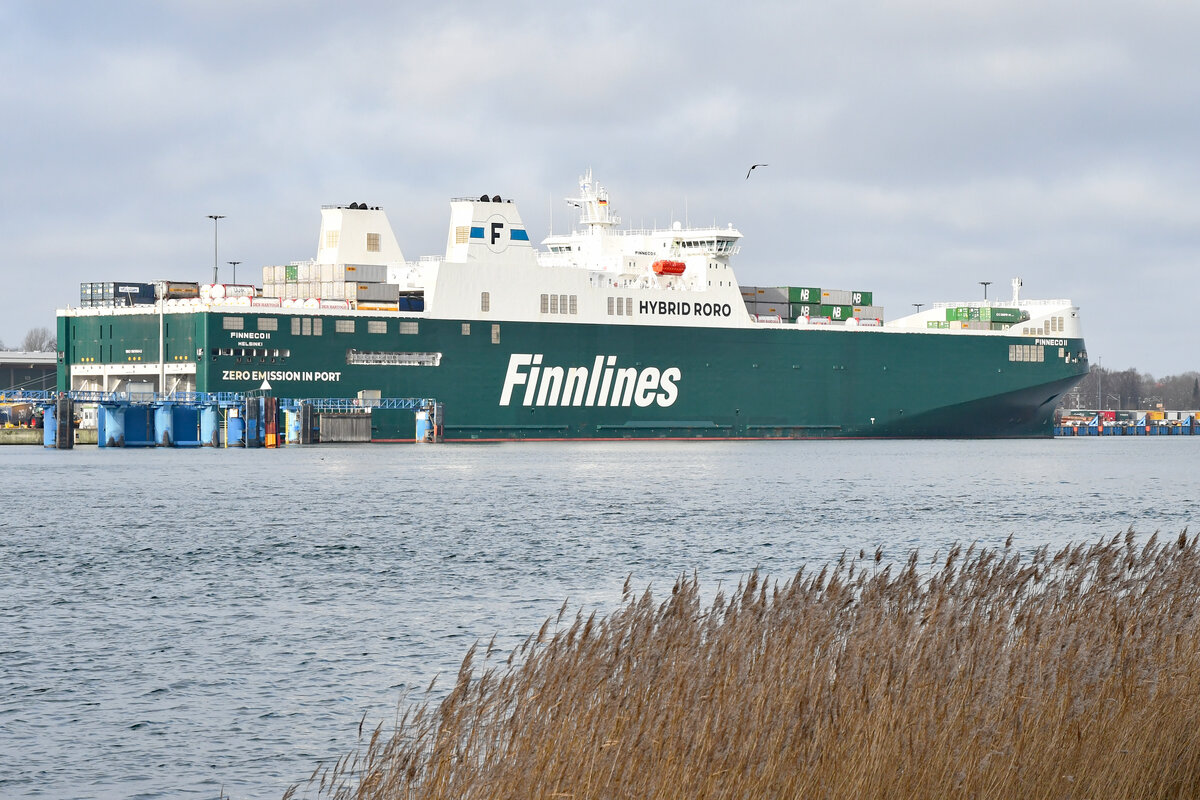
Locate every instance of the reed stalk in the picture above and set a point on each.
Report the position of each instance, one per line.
(988, 674)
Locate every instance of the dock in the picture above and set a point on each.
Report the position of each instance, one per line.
(217, 419)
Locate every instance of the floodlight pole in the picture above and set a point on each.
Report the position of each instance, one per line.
(234, 265)
(214, 218)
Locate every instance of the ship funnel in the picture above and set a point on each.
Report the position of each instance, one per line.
(487, 230)
(357, 234)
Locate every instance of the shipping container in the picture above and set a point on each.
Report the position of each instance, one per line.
(179, 290)
(861, 298)
(374, 292)
(869, 312)
(804, 294)
(362, 273)
(837, 312)
(805, 310)
(291, 273)
(1006, 315)
(772, 294)
(836, 297)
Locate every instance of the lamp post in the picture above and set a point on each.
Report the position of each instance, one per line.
(234, 265)
(214, 218)
(985, 284)
(917, 306)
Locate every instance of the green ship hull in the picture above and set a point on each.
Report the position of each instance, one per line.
(564, 380)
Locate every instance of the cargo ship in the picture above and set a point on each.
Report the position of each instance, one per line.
(601, 333)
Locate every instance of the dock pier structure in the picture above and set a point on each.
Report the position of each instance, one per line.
(225, 419)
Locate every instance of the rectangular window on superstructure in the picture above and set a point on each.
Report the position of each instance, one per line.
(553, 304)
(629, 306)
(620, 307)
(545, 304)
(610, 306)
(233, 323)
(331, 239)
(317, 326)
(372, 242)
(562, 304)
(343, 325)
(495, 334)
(574, 304)
(462, 234)
(295, 326)
(306, 326)
(268, 324)
(485, 301)
(377, 326)
(466, 329)
(408, 328)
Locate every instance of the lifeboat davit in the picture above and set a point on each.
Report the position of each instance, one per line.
(669, 267)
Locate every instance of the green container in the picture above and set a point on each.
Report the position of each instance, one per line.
(985, 314)
(837, 312)
(803, 294)
(805, 310)
(1006, 315)
(862, 298)
(972, 314)
(290, 273)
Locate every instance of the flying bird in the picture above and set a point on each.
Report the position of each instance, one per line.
(754, 167)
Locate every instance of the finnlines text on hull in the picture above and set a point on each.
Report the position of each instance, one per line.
(604, 384)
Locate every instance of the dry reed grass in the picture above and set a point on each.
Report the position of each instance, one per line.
(986, 675)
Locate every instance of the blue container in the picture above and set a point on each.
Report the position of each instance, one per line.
(139, 426)
(210, 426)
(50, 429)
(235, 431)
(186, 421)
(112, 423)
(291, 424)
(164, 425)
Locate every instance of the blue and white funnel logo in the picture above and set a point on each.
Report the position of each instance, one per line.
(496, 233)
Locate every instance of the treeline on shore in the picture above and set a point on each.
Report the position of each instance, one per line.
(1131, 390)
(983, 674)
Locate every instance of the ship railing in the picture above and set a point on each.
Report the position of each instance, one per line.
(1002, 303)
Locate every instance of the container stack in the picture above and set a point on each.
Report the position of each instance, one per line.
(979, 318)
(363, 286)
(115, 294)
(800, 303)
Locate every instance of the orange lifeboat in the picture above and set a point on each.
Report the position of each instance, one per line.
(669, 267)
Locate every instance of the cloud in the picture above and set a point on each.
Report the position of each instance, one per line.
(916, 146)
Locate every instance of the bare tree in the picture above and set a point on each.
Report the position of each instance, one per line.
(39, 340)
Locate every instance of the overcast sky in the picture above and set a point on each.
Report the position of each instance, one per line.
(916, 147)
